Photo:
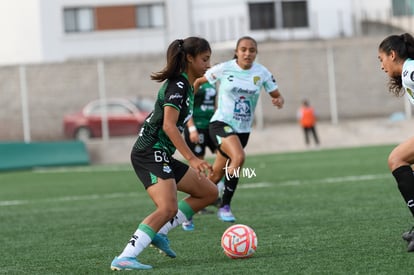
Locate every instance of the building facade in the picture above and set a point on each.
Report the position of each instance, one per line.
(39, 31)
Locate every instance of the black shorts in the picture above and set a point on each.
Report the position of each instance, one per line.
(152, 164)
(219, 129)
(199, 149)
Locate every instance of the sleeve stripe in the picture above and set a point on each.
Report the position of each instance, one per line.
(172, 105)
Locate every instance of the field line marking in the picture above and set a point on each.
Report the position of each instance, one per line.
(241, 186)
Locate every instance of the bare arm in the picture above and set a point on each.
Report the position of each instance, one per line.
(198, 82)
(170, 128)
(277, 99)
(192, 129)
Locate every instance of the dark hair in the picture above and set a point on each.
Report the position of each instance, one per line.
(176, 56)
(403, 46)
(244, 38)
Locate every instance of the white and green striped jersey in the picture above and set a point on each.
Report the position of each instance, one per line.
(239, 92)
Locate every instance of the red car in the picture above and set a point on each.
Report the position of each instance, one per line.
(125, 117)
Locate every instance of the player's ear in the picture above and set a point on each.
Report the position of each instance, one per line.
(393, 55)
(190, 58)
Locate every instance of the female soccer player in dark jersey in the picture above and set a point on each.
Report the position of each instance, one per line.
(152, 159)
(396, 54)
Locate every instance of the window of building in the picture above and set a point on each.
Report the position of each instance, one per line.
(150, 16)
(262, 16)
(113, 18)
(278, 14)
(295, 14)
(78, 19)
(402, 7)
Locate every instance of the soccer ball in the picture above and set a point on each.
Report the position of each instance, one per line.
(239, 241)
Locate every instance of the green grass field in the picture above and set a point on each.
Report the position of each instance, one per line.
(318, 212)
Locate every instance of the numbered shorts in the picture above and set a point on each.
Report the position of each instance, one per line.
(152, 164)
(199, 149)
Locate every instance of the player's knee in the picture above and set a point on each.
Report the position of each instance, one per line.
(238, 160)
(394, 161)
(169, 212)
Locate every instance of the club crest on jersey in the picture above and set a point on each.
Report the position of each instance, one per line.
(256, 79)
(166, 168)
(228, 129)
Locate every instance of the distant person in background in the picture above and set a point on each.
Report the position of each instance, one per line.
(307, 119)
(396, 54)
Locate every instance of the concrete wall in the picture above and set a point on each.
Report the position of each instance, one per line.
(300, 68)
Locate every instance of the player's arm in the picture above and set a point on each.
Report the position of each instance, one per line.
(198, 82)
(277, 98)
(169, 126)
(192, 130)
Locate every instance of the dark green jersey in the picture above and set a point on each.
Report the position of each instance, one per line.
(177, 93)
(204, 105)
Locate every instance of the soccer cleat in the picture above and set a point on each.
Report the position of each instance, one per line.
(127, 263)
(162, 243)
(410, 247)
(409, 235)
(224, 214)
(188, 225)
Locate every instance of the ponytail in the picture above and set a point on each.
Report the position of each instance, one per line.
(177, 56)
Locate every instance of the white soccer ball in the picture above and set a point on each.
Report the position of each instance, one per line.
(239, 241)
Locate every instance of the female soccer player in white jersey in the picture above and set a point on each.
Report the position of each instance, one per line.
(396, 54)
(152, 159)
(240, 82)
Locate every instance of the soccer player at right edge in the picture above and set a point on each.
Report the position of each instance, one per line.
(396, 54)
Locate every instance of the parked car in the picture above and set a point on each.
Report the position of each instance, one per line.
(125, 117)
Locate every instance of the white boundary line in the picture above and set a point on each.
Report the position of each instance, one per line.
(241, 186)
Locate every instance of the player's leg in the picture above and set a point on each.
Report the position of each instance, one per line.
(232, 147)
(315, 135)
(202, 191)
(399, 162)
(164, 196)
(306, 132)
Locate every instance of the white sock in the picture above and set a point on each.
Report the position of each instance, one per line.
(174, 222)
(139, 241)
(220, 187)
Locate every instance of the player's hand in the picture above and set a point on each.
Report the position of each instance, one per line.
(194, 137)
(278, 101)
(202, 167)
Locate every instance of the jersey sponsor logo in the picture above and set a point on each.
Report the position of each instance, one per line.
(180, 84)
(412, 76)
(405, 73)
(175, 96)
(230, 78)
